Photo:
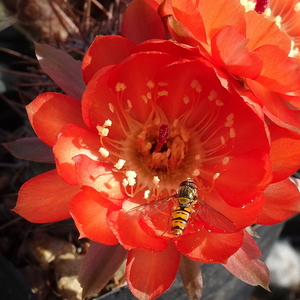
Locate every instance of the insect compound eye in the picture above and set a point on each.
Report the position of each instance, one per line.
(189, 184)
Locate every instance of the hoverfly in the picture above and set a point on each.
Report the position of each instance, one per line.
(187, 198)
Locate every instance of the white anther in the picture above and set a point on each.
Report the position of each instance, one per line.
(111, 107)
(107, 123)
(130, 174)
(216, 175)
(120, 86)
(212, 95)
(120, 164)
(232, 133)
(225, 160)
(102, 130)
(163, 93)
(222, 140)
(104, 152)
(150, 84)
(131, 181)
(146, 194)
(149, 95)
(162, 83)
(155, 180)
(219, 102)
(196, 173)
(186, 99)
(129, 104)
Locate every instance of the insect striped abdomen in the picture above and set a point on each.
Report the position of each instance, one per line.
(180, 217)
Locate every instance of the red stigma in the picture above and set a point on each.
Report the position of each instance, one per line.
(162, 136)
(261, 6)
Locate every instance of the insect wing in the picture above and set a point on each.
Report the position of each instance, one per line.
(214, 218)
(148, 209)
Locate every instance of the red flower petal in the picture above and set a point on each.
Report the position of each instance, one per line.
(282, 201)
(244, 264)
(45, 198)
(210, 247)
(141, 22)
(73, 141)
(249, 135)
(276, 107)
(90, 220)
(229, 50)
(268, 33)
(181, 33)
(219, 13)
(240, 216)
(49, 112)
(187, 13)
(130, 71)
(99, 176)
(101, 262)
(244, 185)
(96, 108)
(284, 163)
(176, 49)
(105, 51)
(280, 73)
(130, 235)
(150, 274)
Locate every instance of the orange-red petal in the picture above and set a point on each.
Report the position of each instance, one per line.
(99, 103)
(208, 247)
(141, 22)
(90, 219)
(100, 177)
(244, 185)
(282, 200)
(268, 33)
(74, 140)
(229, 49)
(105, 51)
(130, 235)
(186, 12)
(150, 274)
(219, 13)
(142, 66)
(285, 152)
(276, 107)
(280, 72)
(50, 112)
(236, 214)
(45, 198)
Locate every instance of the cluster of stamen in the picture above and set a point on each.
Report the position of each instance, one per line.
(159, 154)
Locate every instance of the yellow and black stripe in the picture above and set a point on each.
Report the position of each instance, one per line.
(180, 217)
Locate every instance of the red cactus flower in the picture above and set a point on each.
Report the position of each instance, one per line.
(245, 44)
(151, 116)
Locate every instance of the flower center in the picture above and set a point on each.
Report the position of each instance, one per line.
(285, 14)
(161, 152)
(158, 152)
